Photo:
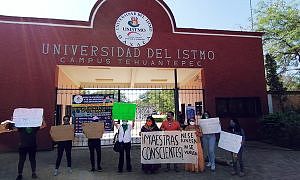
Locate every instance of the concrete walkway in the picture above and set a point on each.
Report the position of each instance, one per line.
(262, 162)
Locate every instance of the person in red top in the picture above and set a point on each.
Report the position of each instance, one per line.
(170, 124)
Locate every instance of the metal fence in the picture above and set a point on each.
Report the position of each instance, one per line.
(148, 101)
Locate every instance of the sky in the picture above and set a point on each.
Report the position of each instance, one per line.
(200, 14)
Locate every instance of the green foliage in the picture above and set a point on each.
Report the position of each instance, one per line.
(272, 77)
(281, 23)
(281, 129)
(161, 100)
(280, 20)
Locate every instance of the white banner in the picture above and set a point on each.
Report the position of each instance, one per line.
(230, 142)
(28, 117)
(210, 126)
(168, 147)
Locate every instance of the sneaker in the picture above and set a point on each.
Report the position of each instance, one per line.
(70, 170)
(19, 177)
(34, 176)
(99, 169)
(233, 173)
(212, 167)
(242, 174)
(92, 170)
(208, 164)
(120, 171)
(55, 172)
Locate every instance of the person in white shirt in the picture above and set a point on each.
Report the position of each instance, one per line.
(125, 141)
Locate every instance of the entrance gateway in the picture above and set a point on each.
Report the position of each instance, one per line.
(130, 47)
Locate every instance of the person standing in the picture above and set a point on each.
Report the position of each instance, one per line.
(199, 166)
(150, 126)
(64, 146)
(235, 128)
(124, 138)
(209, 142)
(170, 124)
(95, 145)
(28, 146)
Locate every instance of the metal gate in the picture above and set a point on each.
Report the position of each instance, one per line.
(156, 102)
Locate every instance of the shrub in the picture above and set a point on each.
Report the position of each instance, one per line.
(281, 129)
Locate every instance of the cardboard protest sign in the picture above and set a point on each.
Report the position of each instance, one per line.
(230, 142)
(210, 126)
(168, 147)
(93, 130)
(124, 111)
(28, 117)
(62, 133)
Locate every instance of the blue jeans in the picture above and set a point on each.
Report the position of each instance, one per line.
(209, 142)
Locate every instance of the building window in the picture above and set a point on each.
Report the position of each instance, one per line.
(238, 107)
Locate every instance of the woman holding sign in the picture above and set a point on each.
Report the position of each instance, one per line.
(235, 128)
(95, 145)
(209, 142)
(150, 126)
(28, 146)
(64, 146)
(199, 167)
(125, 145)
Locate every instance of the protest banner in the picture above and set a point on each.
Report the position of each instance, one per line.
(230, 142)
(93, 130)
(62, 133)
(28, 117)
(168, 147)
(210, 126)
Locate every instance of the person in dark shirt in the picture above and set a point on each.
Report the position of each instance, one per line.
(235, 128)
(28, 146)
(150, 126)
(95, 144)
(61, 146)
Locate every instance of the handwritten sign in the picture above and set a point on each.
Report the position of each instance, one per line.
(62, 133)
(28, 117)
(168, 147)
(93, 130)
(210, 126)
(230, 142)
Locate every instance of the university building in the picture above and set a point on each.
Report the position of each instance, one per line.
(127, 48)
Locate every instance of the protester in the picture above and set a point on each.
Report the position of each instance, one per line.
(181, 120)
(150, 126)
(125, 144)
(235, 128)
(199, 166)
(170, 124)
(209, 143)
(95, 145)
(28, 145)
(64, 146)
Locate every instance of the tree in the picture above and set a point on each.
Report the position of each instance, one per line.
(162, 100)
(281, 23)
(273, 81)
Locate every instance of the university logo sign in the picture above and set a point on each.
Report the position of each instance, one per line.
(134, 29)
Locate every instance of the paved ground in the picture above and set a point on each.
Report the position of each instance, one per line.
(263, 162)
